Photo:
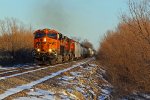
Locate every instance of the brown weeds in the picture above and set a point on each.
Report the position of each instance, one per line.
(125, 52)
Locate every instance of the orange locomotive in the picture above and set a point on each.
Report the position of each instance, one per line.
(52, 47)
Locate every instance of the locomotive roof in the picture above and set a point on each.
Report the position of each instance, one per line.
(46, 29)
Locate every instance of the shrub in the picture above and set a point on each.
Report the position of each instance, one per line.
(125, 52)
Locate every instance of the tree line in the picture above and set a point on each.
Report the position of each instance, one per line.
(16, 41)
(125, 52)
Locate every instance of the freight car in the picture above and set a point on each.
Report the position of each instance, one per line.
(52, 47)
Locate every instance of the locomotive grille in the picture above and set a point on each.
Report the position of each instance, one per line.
(42, 46)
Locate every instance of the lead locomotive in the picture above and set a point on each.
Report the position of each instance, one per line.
(53, 47)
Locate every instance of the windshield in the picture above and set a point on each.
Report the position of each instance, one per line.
(52, 35)
(39, 35)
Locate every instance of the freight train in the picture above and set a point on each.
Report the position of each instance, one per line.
(51, 47)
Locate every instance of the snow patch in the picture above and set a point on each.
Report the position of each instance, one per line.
(66, 78)
(93, 65)
(29, 67)
(76, 74)
(80, 89)
(38, 94)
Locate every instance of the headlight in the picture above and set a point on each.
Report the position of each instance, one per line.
(50, 50)
(44, 40)
(38, 50)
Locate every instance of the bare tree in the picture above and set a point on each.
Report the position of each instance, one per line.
(125, 52)
(15, 38)
(139, 18)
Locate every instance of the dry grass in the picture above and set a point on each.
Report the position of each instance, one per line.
(125, 52)
(79, 95)
(126, 56)
(16, 41)
(127, 61)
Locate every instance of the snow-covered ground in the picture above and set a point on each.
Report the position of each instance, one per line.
(33, 83)
(76, 82)
(38, 94)
(81, 80)
(21, 73)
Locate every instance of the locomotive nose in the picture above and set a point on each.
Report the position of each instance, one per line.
(42, 47)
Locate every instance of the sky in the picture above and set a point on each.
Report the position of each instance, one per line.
(84, 19)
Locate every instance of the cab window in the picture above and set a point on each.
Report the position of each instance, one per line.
(39, 35)
(52, 35)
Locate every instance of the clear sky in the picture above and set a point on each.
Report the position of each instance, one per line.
(87, 19)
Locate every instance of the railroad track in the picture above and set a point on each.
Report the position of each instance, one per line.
(14, 71)
(19, 79)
